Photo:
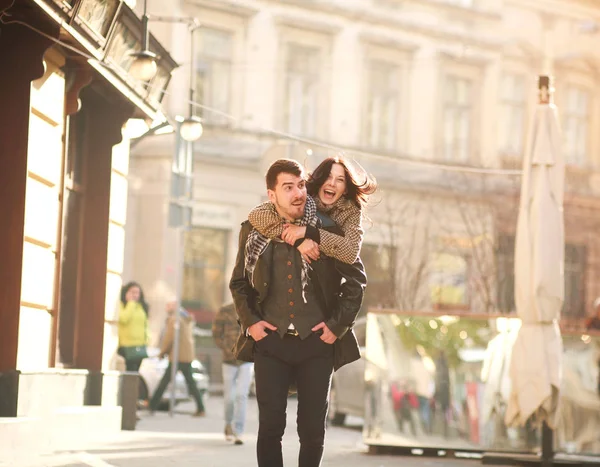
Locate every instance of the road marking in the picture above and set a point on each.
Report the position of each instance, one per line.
(91, 460)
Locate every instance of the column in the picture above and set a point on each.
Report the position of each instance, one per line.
(21, 53)
(102, 117)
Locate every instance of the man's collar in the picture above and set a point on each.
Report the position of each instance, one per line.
(287, 221)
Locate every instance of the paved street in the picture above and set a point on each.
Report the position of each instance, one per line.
(185, 441)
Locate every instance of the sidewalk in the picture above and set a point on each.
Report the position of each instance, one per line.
(185, 441)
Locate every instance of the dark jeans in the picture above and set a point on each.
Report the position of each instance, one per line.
(277, 362)
(186, 369)
(133, 365)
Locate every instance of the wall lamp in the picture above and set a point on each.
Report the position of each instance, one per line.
(144, 68)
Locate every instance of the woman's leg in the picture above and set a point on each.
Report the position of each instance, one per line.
(133, 365)
(186, 369)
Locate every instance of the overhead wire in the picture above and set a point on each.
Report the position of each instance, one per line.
(284, 134)
(3, 11)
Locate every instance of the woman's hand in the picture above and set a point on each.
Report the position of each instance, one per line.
(309, 249)
(292, 233)
(132, 295)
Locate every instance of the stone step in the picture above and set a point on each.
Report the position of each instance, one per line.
(16, 435)
(73, 426)
(66, 428)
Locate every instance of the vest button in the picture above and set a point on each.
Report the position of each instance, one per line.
(265, 284)
(289, 263)
(291, 303)
(292, 316)
(290, 290)
(289, 276)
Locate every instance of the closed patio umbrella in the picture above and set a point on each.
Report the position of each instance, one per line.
(535, 368)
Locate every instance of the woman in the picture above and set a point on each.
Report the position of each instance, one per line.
(339, 190)
(133, 326)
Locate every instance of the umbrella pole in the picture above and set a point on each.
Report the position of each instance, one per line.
(547, 445)
(545, 97)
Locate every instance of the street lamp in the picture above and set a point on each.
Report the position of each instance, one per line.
(144, 68)
(191, 128)
(188, 131)
(144, 65)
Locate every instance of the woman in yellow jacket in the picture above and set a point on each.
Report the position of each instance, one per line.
(133, 326)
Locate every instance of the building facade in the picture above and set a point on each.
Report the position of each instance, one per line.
(405, 87)
(67, 95)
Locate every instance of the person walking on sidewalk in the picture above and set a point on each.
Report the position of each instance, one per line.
(133, 326)
(293, 315)
(237, 375)
(186, 356)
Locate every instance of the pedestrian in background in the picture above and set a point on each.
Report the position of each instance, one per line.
(133, 326)
(593, 322)
(186, 355)
(237, 375)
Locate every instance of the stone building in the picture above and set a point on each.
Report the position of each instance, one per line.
(405, 87)
(67, 95)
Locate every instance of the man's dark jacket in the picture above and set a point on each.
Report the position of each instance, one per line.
(340, 301)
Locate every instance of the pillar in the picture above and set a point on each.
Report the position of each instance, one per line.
(21, 61)
(102, 119)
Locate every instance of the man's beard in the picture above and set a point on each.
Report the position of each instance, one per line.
(292, 212)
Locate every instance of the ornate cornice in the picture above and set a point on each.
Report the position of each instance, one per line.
(242, 8)
(77, 76)
(26, 46)
(389, 41)
(574, 9)
(394, 20)
(315, 25)
(467, 11)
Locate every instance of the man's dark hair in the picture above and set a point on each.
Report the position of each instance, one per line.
(288, 166)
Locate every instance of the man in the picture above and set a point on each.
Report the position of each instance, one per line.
(593, 322)
(237, 374)
(186, 356)
(293, 316)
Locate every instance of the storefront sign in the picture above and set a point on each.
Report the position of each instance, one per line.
(213, 215)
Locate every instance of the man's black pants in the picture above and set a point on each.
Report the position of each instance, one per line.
(277, 362)
(186, 369)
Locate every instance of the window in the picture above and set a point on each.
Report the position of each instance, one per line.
(204, 272)
(576, 125)
(513, 104)
(463, 3)
(380, 268)
(457, 116)
(575, 264)
(505, 260)
(213, 77)
(301, 89)
(448, 281)
(382, 105)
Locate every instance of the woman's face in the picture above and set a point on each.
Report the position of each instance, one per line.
(133, 294)
(335, 185)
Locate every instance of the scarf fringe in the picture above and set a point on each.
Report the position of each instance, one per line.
(257, 243)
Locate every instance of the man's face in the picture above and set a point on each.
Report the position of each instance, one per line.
(289, 196)
(171, 305)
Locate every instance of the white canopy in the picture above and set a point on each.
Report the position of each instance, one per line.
(539, 276)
